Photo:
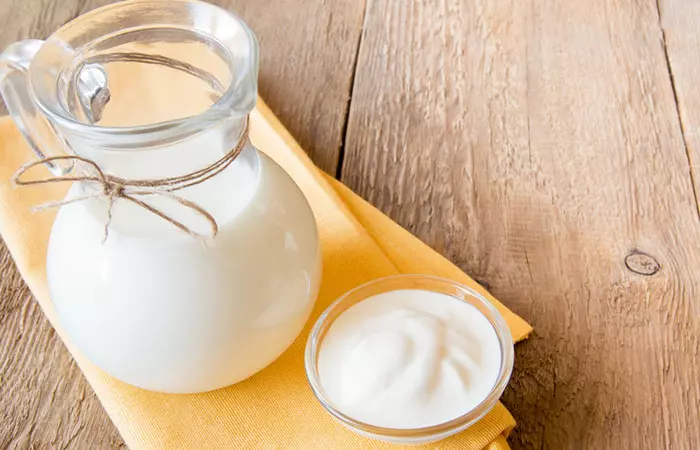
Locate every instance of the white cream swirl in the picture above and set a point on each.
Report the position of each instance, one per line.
(409, 359)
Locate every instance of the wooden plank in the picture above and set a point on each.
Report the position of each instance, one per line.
(307, 58)
(537, 145)
(308, 51)
(681, 39)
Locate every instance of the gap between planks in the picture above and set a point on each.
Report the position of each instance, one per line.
(346, 118)
(672, 80)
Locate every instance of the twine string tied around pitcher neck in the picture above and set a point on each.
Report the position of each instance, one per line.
(112, 187)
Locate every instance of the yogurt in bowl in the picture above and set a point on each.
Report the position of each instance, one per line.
(409, 359)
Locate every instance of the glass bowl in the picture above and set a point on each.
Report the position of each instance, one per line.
(400, 282)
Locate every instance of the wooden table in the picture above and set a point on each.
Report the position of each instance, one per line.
(549, 148)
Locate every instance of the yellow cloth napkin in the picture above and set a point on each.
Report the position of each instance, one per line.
(275, 408)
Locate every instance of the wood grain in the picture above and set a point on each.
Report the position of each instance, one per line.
(681, 39)
(44, 400)
(307, 58)
(537, 144)
(548, 148)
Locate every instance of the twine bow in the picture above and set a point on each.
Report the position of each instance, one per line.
(113, 187)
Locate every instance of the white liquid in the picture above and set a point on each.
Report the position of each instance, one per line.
(161, 310)
(409, 359)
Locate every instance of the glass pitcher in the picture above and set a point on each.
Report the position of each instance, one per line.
(150, 90)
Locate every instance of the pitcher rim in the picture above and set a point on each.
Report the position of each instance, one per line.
(224, 107)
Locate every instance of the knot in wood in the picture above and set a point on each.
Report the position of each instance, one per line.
(641, 263)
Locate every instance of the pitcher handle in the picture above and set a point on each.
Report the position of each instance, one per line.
(14, 87)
